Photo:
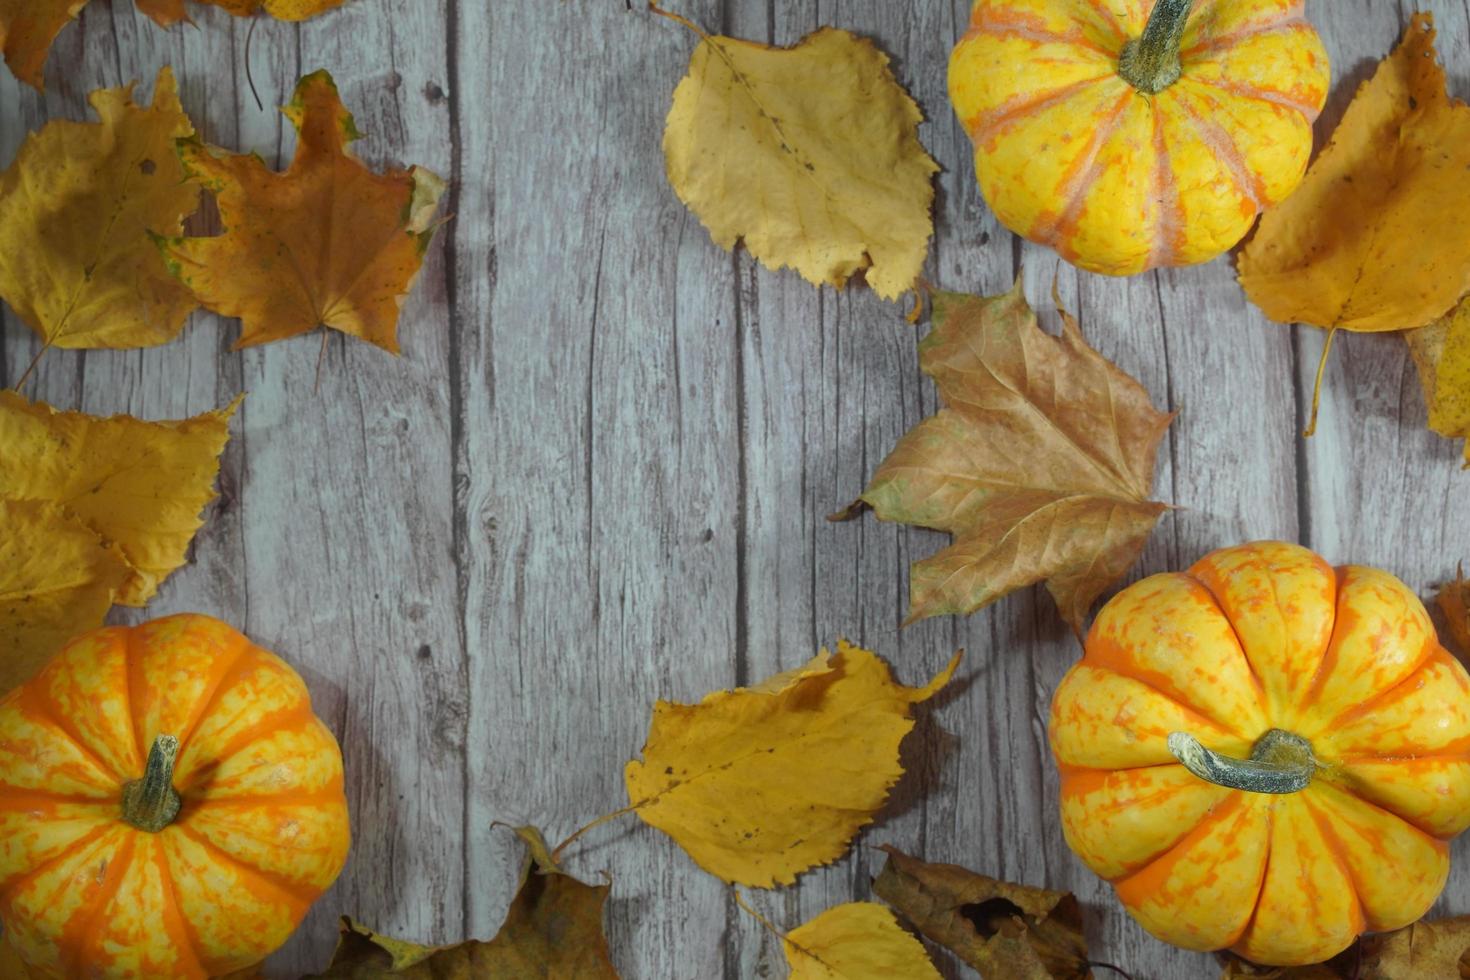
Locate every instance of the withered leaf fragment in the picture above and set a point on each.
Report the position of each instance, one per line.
(1005, 931)
(553, 929)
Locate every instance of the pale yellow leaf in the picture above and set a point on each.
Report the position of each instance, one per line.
(139, 485)
(810, 154)
(759, 784)
(77, 206)
(1441, 352)
(856, 941)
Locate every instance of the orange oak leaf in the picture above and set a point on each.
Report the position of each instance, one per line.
(1363, 244)
(328, 243)
(27, 28)
(169, 12)
(1040, 464)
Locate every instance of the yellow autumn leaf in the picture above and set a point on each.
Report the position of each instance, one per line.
(856, 941)
(327, 243)
(139, 485)
(77, 206)
(57, 580)
(810, 154)
(1441, 352)
(1364, 244)
(169, 12)
(760, 784)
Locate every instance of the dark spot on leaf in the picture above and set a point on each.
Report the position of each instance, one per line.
(990, 915)
(147, 167)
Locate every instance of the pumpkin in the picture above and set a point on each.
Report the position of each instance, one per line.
(1127, 136)
(169, 805)
(1265, 753)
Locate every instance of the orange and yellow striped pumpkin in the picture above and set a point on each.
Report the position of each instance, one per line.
(1266, 754)
(1129, 136)
(169, 805)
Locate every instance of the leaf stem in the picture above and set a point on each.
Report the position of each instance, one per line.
(1311, 428)
(677, 18)
(605, 818)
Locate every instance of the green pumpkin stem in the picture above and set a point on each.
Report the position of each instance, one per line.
(152, 803)
(1151, 63)
(1280, 762)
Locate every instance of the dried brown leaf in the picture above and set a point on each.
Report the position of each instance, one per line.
(1040, 464)
(1005, 931)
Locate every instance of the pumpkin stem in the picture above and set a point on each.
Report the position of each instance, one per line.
(152, 803)
(1280, 762)
(1151, 63)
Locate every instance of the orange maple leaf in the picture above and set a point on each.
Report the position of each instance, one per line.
(328, 243)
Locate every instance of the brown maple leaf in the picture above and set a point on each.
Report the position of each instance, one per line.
(327, 243)
(1040, 464)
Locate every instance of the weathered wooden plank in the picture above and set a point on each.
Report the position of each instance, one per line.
(596, 448)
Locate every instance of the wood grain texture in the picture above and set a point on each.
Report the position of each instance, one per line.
(601, 471)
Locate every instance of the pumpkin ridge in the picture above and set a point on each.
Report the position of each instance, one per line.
(1169, 221)
(1056, 231)
(1227, 151)
(1290, 19)
(233, 666)
(288, 719)
(1110, 18)
(1349, 792)
(1263, 699)
(136, 684)
(1260, 94)
(1107, 654)
(1250, 920)
(296, 896)
(1334, 846)
(39, 710)
(182, 930)
(1360, 709)
(1157, 870)
(81, 937)
(9, 886)
(331, 793)
(1018, 25)
(986, 126)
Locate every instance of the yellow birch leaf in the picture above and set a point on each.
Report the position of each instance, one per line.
(139, 485)
(1364, 243)
(856, 941)
(552, 930)
(170, 12)
(1040, 464)
(327, 243)
(810, 154)
(1441, 352)
(760, 784)
(57, 580)
(76, 208)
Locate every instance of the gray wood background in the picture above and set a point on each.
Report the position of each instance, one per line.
(600, 471)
